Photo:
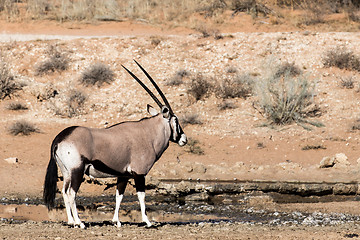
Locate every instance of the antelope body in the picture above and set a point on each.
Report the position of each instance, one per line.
(125, 150)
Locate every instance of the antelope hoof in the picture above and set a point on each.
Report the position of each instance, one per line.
(117, 224)
(81, 225)
(148, 224)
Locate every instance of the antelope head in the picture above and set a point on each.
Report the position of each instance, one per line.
(177, 134)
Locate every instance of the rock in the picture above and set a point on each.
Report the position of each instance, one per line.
(327, 162)
(341, 159)
(345, 189)
(199, 168)
(105, 209)
(259, 200)
(12, 160)
(195, 168)
(183, 187)
(203, 196)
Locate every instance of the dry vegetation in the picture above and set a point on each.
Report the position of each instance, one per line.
(186, 13)
(8, 85)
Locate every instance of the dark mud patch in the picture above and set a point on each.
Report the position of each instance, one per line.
(248, 208)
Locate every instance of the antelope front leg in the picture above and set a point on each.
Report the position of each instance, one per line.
(140, 190)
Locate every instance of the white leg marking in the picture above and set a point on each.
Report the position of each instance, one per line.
(141, 197)
(119, 198)
(72, 194)
(68, 209)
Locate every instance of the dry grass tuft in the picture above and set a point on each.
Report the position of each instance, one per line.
(199, 87)
(190, 118)
(16, 106)
(97, 74)
(75, 103)
(342, 58)
(226, 105)
(193, 147)
(57, 61)
(22, 127)
(238, 86)
(8, 85)
(286, 99)
(178, 78)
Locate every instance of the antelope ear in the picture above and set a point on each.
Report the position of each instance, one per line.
(152, 110)
(165, 112)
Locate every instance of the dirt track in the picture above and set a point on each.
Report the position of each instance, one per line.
(34, 230)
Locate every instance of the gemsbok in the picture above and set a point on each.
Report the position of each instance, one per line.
(125, 150)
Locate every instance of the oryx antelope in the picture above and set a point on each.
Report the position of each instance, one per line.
(125, 150)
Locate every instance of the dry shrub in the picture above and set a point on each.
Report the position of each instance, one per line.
(286, 99)
(224, 105)
(193, 147)
(178, 78)
(347, 82)
(238, 86)
(8, 85)
(231, 69)
(208, 32)
(39, 9)
(105, 10)
(287, 68)
(356, 125)
(75, 103)
(9, 9)
(190, 118)
(70, 104)
(16, 106)
(342, 58)
(57, 61)
(22, 127)
(199, 87)
(252, 7)
(97, 74)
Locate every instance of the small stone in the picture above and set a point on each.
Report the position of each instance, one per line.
(105, 209)
(341, 159)
(203, 196)
(327, 162)
(12, 160)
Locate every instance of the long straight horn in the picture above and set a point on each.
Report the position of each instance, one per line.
(157, 87)
(145, 87)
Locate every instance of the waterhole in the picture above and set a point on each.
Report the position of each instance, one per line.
(269, 209)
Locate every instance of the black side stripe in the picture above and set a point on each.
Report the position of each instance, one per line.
(102, 167)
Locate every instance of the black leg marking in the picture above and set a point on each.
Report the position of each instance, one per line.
(139, 182)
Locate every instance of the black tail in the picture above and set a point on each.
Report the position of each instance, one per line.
(50, 185)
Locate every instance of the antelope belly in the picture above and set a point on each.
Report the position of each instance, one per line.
(94, 173)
